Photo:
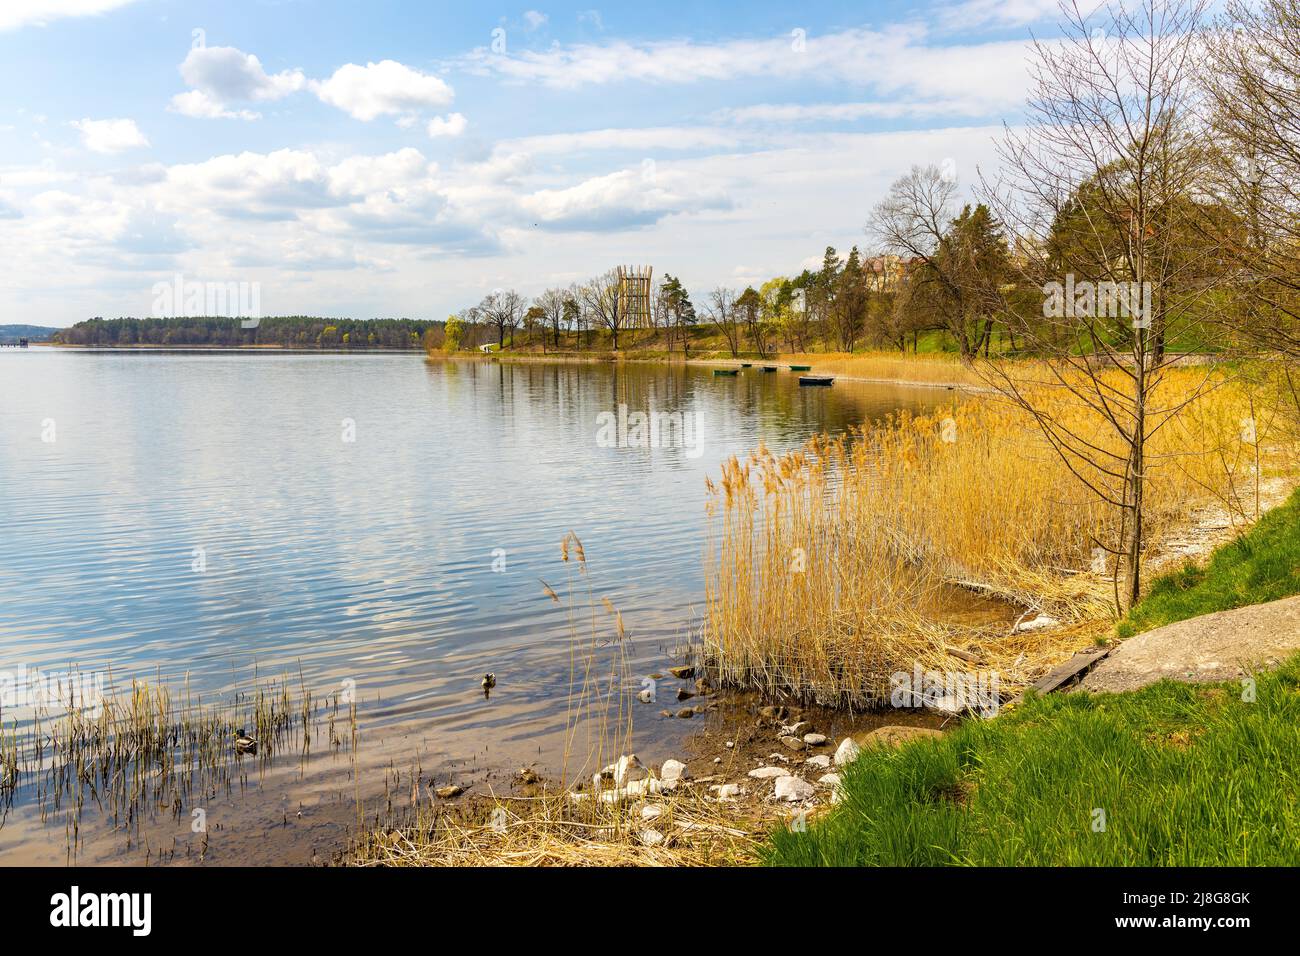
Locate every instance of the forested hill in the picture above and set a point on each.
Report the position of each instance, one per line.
(33, 333)
(293, 331)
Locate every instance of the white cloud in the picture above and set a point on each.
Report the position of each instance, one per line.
(453, 124)
(1008, 13)
(200, 105)
(643, 140)
(976, 79)
(620, 200)
(224, 73)
(386, 87)
(110, 135)
(535, 19)
(837, 112)
(19, 13)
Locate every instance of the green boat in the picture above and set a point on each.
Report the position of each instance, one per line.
(816, 380)
(726, 371)
(746, 364)
(801, 368)
(769, 368)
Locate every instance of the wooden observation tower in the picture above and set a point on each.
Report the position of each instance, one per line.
(634, 296)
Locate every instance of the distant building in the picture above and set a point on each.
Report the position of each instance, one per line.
(884, 273)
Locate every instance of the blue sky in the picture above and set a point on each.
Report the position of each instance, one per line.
(406, 158)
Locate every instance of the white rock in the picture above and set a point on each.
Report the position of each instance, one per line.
(717, 760)
(651, 837)
(628, 768)
(847, 752)
(650, 811)
(829, 780)
(779, 758)
(1037, 624)
(792, 789)
(820, 762)
(767, 773)
(814, 740)
(640, 788)
(673, 772)
(794, 730)
(730, 744)
(729, 791)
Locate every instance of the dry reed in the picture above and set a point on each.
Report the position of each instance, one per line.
(831, 568)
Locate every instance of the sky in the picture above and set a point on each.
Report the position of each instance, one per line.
(405, 159)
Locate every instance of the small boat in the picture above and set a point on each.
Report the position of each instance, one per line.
(746, 364)
(726, 371)
(816, 380)
(769, 368)
(800, 368)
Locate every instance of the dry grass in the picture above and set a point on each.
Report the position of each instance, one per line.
(830, 567)
(554, 829)
(926, 369)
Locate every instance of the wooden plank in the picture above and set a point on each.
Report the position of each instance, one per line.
(1076, 665)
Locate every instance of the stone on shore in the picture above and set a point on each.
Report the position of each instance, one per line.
(793, 789)
(673, 772)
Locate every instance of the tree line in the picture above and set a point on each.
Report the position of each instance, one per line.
(295, 331)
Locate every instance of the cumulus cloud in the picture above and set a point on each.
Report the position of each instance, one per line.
(200, 105)
(535, 19)
(110, 135)
(383, 88)
(20, 13)
(224, 73)
(620, 200)
(453, 124)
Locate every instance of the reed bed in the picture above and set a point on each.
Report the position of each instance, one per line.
(833, 567)
(146, 752)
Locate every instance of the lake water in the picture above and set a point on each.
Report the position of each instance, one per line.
(379, 521)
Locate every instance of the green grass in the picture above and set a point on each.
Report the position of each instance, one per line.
(1186, 775)
(1261, 565)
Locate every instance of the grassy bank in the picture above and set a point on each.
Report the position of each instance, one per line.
(1261, 565)
(1172, 775)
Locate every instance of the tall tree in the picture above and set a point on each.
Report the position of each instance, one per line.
(1110, 106)
(723, 315)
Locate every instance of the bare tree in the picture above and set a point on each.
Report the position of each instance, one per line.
(502, 310)
(960, 256)
(551, 302)
(724, 316)
(604, 305)
(1253, 87)
(1099, 187)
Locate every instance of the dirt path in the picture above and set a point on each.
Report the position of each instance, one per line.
(1223, 646)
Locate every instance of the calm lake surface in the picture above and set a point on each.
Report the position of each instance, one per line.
(374, 519)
